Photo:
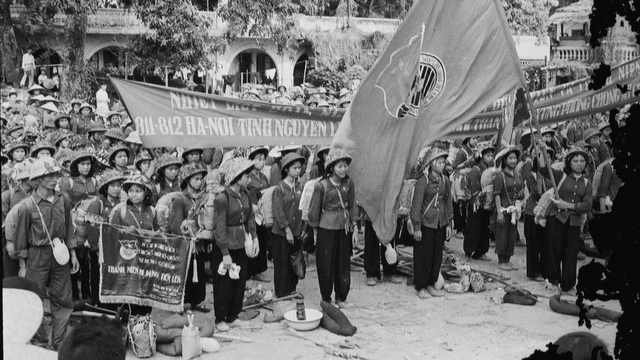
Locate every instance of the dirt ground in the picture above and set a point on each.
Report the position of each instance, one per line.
(393, 323)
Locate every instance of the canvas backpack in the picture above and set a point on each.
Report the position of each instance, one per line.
(597, 177)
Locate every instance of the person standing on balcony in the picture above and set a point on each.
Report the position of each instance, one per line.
(29, 67)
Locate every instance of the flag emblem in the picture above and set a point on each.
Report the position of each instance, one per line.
(129, 249)
(412, 79)
(427, 85)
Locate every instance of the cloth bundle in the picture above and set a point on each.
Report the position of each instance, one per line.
(336, 321)
(544, 207)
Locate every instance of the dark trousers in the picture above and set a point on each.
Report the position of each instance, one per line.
(476, 234)
(83, 275)
(195, 293)
(402, 236)
(374, 254)
(10, 267)
(94, 270)
(536, 250)
(460, 215)
(284, 279)
(600, 229)
(43, 270)
(563, 253)
(228, 293)
(333, 262)
(258, 264)
(427, 256)
(506, 234)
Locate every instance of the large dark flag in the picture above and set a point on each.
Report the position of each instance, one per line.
(449, 60)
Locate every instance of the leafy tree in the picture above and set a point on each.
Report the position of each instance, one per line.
(75, 75)
(179, 36)
(270, 19)
(529, 17)
(10, 59)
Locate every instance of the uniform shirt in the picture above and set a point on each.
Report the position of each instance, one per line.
(80, 190)
(81, 124)
(475, 176)
(142, 219)
(169, 187)
(326, 210)
(575, 132)
(233, 215)
(256, 184)
(286, 212)
(101, 207)
(435, 190)
(577, 191)
(610, 183)
(462, 156)
(12, 197)
(180, 207)
(512, 192)
(536, 184)
(56, 217)
(275, 175)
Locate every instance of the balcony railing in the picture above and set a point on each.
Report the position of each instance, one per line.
(573, 53)
(587, 54)
(122, 21)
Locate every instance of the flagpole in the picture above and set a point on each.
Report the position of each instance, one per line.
(534, 117)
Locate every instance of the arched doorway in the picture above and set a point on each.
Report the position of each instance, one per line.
(49, 63)
(253, 67)
(300, 70)
(109, 59)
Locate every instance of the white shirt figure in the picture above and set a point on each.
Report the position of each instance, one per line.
(102, 101)
(28, 62)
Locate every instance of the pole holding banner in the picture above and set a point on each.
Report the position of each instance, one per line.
(534, 118)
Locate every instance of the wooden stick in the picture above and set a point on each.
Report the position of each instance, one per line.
(289, 297)
(231, 337)
(534, 117)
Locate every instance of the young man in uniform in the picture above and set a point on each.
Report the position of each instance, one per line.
(44, 216)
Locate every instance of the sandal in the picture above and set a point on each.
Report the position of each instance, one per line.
(201, 308)
(539, 278)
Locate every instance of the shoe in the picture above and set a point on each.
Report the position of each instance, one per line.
(223, 327)
(538, 278)
(433, 292)
(460, 234)
(200, 308)
(447, 250)
(261, 277)
(484, 258)
(392, 279)
(521, 243)
(344, 305)
(236, 323)
(513, 267)
(371, 281)
(570, 292)
(504, 267)
(423, 294)
(581, 256)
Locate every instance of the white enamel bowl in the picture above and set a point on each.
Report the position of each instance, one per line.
(313, 319)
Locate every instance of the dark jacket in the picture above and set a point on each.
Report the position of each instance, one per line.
(432, 205)
(326, 210)
(577, 191)
(233, 215)
(57, 219)
(286, 212)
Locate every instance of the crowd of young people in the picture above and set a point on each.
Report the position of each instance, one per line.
(57, 156)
